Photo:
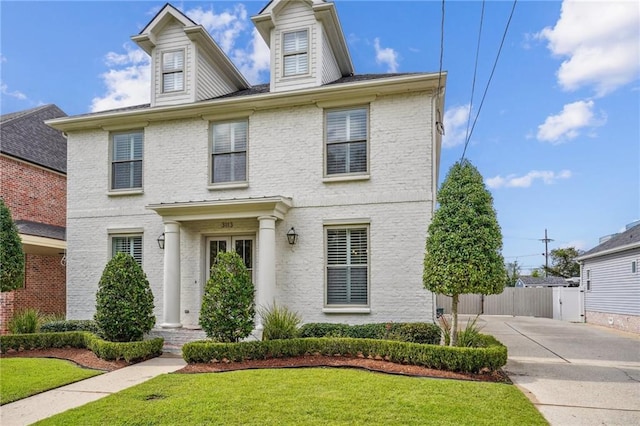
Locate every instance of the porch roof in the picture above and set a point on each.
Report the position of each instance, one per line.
(233, 208)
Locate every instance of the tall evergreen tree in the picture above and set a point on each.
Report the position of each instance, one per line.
(11, 254)
(464, 243)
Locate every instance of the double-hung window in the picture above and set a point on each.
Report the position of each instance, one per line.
(346, 141)
(347, 269)
(173, 71)
(296, 53)
(126, 160)
(129, 244)
(229, 152)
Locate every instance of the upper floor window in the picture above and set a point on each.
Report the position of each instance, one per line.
(295, 52)
(129, 244)
(126, 160)
(346, 141)
(173, 71)
(229, 152)
(347, 266)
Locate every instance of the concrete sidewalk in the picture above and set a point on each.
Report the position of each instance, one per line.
(575, 374)
(47, 404)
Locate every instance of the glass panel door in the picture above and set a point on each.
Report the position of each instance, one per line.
(241, 245)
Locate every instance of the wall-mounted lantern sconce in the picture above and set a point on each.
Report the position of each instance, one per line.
(292, 237)
(161, 241)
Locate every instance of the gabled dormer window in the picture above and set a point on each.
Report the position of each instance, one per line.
(296, 53)
(173, 71)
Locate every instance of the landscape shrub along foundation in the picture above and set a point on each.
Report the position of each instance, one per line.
(468, 360)
(110, 351)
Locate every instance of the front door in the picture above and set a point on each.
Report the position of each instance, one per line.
(242, 245)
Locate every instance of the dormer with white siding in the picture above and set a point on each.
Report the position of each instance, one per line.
(186, 63)
(307, 45)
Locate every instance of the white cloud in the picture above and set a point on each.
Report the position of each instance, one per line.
(578, 244)
(600, 43)
(386, 56)
(513, 181)
(455, 126)
(254, 60)
(4, 89)
(567, 124)
(3, 58)
(224, 27)
(128, 82)
(128, 79)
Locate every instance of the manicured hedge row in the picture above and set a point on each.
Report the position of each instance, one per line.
(70, 325)
(471, 360)
(416, 332)
(110, 351)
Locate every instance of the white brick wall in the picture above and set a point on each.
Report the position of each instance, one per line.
(285, 157)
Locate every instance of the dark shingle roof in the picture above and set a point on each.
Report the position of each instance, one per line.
(41, 229)
(630, 236)
(543, 281)
(24, 135)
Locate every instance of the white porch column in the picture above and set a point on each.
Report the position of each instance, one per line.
(171, 298)
(266, 285)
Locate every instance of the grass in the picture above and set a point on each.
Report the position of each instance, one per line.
(23, 377)
(313, 396)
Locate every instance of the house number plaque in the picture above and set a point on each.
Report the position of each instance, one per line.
(227, 225)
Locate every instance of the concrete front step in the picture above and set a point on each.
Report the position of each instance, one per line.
(174, 338)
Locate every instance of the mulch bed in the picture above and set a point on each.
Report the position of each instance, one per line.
(88, 359)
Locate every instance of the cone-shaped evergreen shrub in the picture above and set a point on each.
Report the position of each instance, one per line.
(11, 254)
(124, 302)
(228, 307)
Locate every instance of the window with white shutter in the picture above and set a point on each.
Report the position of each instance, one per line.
(346, 141)
(129, 244)
(347, 266)
(229, 152)
(126, 160)
(173, 71)
(295, 53)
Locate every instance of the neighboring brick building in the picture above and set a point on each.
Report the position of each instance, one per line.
(33, 184)
(349, 162)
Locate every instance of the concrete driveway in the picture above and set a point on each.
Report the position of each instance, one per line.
(575, 374)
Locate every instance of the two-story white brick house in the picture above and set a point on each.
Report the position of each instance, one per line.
(347, 162)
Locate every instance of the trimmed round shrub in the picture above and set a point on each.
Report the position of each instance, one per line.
(228, 306)
(124, 302)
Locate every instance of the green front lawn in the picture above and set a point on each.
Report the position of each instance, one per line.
(313, 396)
(23, 377)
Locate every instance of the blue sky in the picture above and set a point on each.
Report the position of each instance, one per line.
(557, 139)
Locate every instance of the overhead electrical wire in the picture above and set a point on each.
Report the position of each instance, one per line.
(439, 119)
(475, 71)
(495, 63)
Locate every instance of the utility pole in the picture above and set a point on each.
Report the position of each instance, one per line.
(546, 241)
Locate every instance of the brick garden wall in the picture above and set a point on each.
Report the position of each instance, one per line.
(35, 194)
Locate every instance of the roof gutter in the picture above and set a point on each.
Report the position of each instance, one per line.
(610, 251)
(227, 105)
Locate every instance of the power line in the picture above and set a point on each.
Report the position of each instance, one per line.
(495, 63)
(475, 71)
(439, 123)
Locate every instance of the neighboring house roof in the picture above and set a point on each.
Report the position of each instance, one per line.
(626, 240)
(25, 136)
(528, 281)
(37, 229)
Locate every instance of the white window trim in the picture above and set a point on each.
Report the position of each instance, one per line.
(231, 184)
(299, 52)
(588, 280)
(183, 71)
(346, 177)
(347, 224)
(126, 233)
(124, 191)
